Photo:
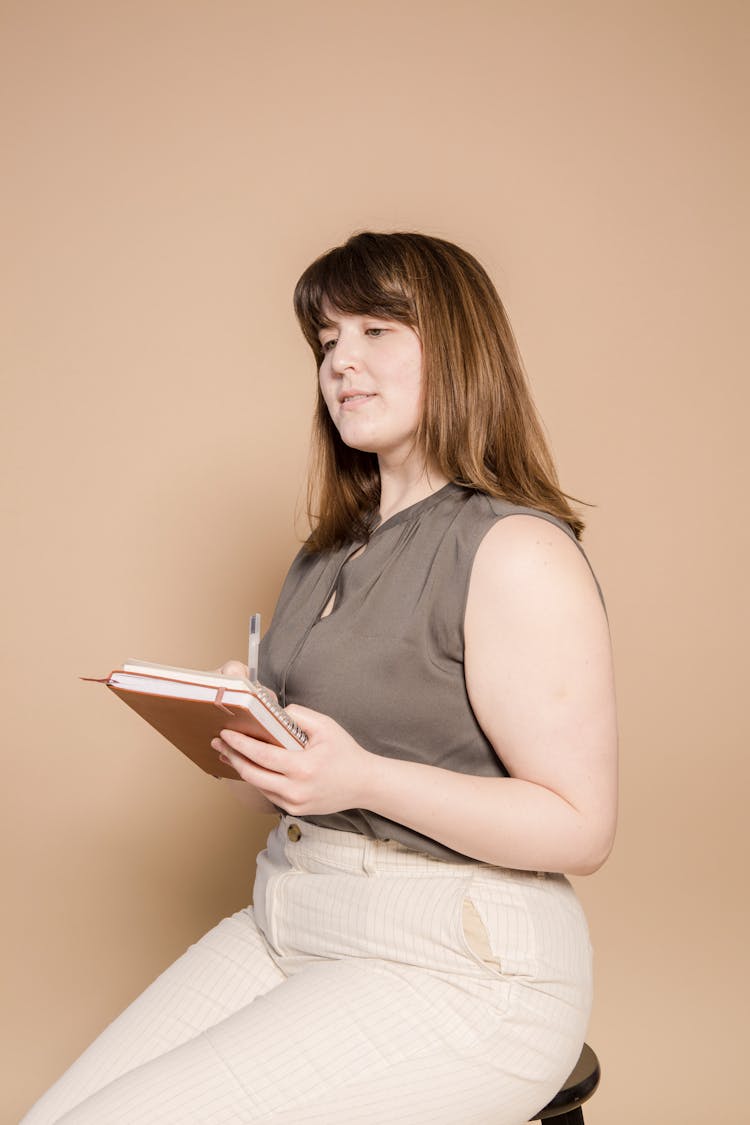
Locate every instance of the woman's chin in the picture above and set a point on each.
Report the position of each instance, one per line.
(357, 438)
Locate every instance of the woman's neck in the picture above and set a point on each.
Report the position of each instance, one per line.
(405, 485)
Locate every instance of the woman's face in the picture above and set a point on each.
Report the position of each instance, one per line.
(371, 381)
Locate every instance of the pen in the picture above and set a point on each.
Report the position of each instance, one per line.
(252, 648)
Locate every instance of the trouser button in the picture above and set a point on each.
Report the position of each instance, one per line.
(293, 832)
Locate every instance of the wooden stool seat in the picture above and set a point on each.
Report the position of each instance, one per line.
(565, 1107)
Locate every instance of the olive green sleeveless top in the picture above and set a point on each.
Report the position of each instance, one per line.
(387, 662)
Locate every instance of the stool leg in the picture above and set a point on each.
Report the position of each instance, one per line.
(572, 1117)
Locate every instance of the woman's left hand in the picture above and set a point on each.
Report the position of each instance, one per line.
(328, 775)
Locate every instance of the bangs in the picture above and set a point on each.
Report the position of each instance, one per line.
(365, 277)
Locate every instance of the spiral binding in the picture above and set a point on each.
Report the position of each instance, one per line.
(285, 719)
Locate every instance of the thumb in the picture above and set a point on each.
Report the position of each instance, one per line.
(233, 668)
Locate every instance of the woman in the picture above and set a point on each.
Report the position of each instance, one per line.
(414, 952)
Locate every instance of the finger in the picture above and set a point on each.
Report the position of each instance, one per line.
(270, 757)
(268, 783)
(232, 756)
(234, 668)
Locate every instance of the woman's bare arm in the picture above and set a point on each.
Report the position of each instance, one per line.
(539, 675)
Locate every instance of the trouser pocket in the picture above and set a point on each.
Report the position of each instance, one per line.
(476, 936)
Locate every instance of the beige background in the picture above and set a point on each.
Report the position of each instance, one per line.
(173, 166)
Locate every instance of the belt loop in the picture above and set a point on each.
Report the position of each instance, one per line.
(369, 866)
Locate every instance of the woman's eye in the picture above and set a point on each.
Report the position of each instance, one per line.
(375, 331)
(326, 345)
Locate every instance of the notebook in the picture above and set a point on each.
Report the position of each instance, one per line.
(189, 708)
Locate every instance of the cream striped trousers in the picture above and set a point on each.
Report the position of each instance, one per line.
(369, 984)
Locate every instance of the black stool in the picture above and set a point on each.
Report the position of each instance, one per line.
(565, 1107)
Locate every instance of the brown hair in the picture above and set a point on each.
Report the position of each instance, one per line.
(479, 426)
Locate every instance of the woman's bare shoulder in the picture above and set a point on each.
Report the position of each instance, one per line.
(530, 557)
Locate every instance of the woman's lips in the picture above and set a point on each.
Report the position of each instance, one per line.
(353, 400)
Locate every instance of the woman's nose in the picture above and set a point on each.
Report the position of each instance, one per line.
(345, 354)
